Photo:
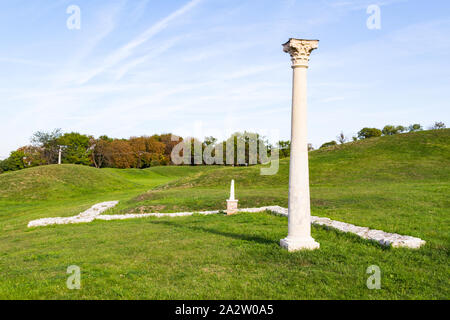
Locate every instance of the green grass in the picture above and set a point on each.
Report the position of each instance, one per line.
(397, 184)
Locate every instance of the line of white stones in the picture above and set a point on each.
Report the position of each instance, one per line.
(86, 216)
(383, 238)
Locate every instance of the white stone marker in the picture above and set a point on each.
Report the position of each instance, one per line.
(232, 203)
(299, 218)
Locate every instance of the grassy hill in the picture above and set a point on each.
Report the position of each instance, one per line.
(66, 181)
(398, 184)
(404, 157)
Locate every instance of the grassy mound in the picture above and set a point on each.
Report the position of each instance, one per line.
(52, 182)
(71, 181)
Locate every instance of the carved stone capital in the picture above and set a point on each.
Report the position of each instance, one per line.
(300, 49)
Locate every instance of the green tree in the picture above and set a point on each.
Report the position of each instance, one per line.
(389, 130)
(252, 152)
(415, 127)
(76, 148)
(14, 162)
(285, 148)
(366, 133)
(24, 157)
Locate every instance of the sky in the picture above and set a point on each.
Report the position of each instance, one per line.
(213, 67)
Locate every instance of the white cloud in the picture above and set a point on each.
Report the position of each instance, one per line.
(128, 49)
(155, 52)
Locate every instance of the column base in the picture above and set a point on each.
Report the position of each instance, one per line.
(232, 207)
(299, 244)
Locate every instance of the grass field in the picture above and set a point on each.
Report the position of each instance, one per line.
(397, 184)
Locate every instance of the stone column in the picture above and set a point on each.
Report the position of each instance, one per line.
(299, 219)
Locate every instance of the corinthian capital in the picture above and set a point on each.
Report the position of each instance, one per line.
(300, 49)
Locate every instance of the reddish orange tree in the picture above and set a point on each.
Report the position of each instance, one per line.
(120, 154)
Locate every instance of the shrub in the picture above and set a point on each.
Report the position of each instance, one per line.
(366, 133)
(390, 130)
(414, 127)
(328, 144)
(400, 129)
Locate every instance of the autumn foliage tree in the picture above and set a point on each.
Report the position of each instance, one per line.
(147, 151)
(120, 154)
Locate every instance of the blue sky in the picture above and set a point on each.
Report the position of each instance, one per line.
(211, 67)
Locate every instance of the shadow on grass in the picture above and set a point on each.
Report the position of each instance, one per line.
(344, 235)
(218, 232)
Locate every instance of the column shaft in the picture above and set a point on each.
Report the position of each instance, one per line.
(299, 199)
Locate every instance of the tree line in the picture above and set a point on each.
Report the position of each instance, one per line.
(388, 130)
(134, 152)
(149, 151)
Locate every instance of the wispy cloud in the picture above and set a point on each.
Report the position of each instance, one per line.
(158, 50)
(127, 50)
(139, 10)
(106, 22)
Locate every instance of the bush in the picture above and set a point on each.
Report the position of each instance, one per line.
(366, 133)
(328, 144)
(415, 127)
(400, 129)
(390, 130)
